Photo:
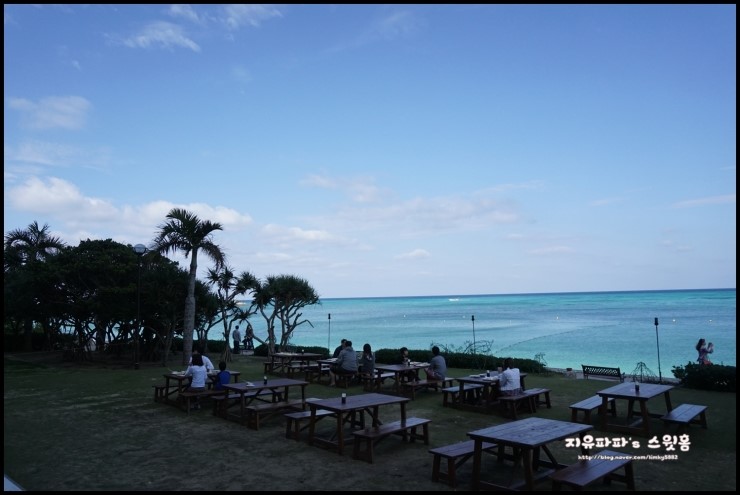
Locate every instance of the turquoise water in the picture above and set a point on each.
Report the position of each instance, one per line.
(601, 328)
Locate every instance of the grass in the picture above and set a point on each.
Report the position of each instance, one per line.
(91, 427)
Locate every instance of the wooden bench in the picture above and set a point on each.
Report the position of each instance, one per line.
(345, 379)
(293, 426)
(161, 391)
(511, 403)
(410, 388)
(260, 412)
(472, 390)
(187, 398)
(221, 402)
(374, 382)
(536, 392)
(588, 406)
(602, 371)
(687, 414)
(602, 465)
(456, 455)
(374, 434)
(268, 366)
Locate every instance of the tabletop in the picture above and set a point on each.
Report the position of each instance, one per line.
(627, 391)
(527, 437)
(345, 413)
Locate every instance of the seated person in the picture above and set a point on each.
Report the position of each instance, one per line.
(410, 375)
(222, 378)
(367, 361)
(198, 375)
(437, 366)
(339, 349)
(346, 363)
(206, 361)
(510, 379)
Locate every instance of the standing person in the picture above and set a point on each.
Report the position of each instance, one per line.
(198, 374)
(222, 378)
(237, 338)
(249, 338)
(704, 351)
(367, 361)
(437, 366)
(346, 363)
(339, 349)
(510, 379)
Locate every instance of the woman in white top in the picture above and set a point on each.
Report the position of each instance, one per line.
(198, 374)
(509, 380)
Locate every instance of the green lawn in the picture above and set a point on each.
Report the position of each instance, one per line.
(91, 427)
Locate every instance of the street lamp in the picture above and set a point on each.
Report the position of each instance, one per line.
(139, 249)
(657, 342)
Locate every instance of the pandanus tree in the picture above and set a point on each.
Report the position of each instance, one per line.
(228, 287)
(184, 231)
(280, 299)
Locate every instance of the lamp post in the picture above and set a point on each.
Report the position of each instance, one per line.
(139, 249)
(657, 343)
(328, 341)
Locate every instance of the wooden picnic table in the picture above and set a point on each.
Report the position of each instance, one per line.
(282, 363)
(180, 382)
(402, 373)
(490, 394)
(351, 412)
(527, 438)
(626, 391)
(253, 400)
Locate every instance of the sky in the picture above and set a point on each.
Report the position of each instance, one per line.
(387, 150)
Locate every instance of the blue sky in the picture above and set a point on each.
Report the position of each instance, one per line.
(387, 150)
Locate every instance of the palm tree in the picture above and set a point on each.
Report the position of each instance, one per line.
(27, 247)
(184, 231)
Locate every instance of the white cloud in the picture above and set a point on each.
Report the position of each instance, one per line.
(184, 11)
(60, 112)
(50, 154)
(728, 199)
(236, 16)
(161, 34)
(416, 254)
(551, 250)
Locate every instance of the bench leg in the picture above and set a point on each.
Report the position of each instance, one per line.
(435, 467)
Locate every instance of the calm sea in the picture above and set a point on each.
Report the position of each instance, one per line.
(570, 329)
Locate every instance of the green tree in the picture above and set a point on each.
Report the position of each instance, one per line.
(27, 247)
(280, 299)
(184, 231)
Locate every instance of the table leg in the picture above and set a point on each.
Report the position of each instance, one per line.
(476, 464)
(528, 473)
(668, 405)
(645, 418)
(602, 412)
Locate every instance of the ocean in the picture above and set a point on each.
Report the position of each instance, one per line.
(615, 329)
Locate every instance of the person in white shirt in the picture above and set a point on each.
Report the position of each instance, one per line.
(206, 361)
(198, 376)
(510, 379)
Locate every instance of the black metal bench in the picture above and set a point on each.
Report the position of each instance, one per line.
(601, 465)
(602, 371)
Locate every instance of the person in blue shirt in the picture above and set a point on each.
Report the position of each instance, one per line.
(222, 378)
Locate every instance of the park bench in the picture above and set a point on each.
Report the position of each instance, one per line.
(262, 411)
(536, 392)
(588, 406)
(161, 391)
(293, 426)
(512, 403)
(410, 387)
(687, 414)
(471, 390)
(456, 455)
(187, 398)
(602, 371)
(221, 402)
(601, 465)
(374, 434)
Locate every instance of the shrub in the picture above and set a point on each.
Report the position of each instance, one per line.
(715, 377)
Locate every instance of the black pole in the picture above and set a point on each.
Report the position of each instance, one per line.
(472, 318)
(657, 343)
(138, 318)
(328, 342)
